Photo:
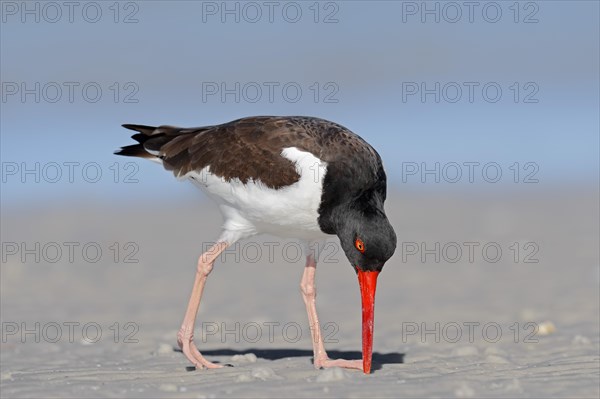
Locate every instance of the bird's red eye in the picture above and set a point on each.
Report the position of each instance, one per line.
(360, 245)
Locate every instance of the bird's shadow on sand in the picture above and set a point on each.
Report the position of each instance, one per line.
(379, 359)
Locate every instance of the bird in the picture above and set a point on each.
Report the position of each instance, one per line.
(298, 177)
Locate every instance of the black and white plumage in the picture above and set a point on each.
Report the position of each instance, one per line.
(299, 177)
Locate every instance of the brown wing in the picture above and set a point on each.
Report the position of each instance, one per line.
(246, 149)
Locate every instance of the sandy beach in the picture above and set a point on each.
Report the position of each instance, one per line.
(93, 295)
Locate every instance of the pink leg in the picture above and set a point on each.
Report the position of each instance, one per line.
(185, 337)
(309, 294)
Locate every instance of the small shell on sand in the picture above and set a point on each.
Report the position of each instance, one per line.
(465, 351)
(259, 373)
(464, 391)
(495, 359)
(581, 340)
(168, 387)
(246, 358)
(164, 349)
(546, 328)
(332, 374)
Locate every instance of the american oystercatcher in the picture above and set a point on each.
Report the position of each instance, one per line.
(297, 177)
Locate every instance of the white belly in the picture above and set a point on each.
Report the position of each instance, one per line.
(253, 208)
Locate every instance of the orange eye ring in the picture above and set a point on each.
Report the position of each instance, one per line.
(360, 245)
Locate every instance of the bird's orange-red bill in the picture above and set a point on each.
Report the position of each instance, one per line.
(368, 285)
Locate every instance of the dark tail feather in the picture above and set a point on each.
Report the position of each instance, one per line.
(146, 130)
(138, 150)
(151, 139)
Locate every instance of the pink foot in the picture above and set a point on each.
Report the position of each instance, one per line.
(192, 353)
(347, 364)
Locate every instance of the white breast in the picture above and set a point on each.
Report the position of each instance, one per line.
(254, 208)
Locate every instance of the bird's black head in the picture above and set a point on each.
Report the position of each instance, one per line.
(367, 238)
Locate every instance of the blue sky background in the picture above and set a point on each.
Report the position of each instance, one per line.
(369, 54)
